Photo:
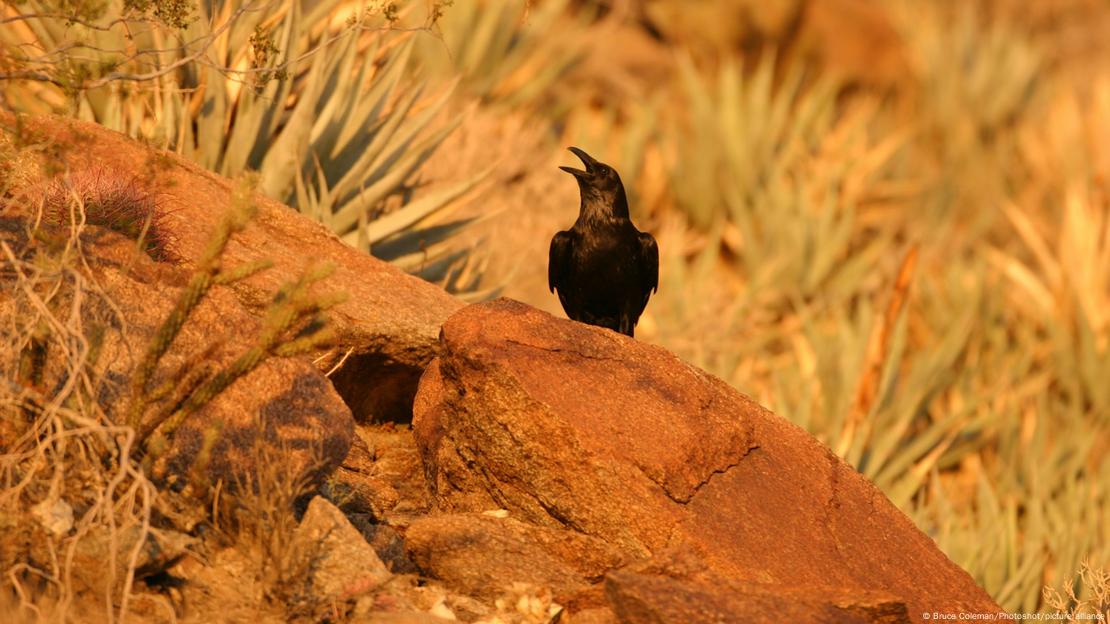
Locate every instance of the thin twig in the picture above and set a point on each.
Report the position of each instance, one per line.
(877, 353)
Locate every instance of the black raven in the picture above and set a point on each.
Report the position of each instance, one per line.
(603, 267)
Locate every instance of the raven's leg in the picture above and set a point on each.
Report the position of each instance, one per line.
(627, 327)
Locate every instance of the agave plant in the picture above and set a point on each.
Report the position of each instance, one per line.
(323, 108)
(356, 135)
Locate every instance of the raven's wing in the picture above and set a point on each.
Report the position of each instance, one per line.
(649, 265)
(558, 261)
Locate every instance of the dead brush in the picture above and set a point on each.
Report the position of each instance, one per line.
(79, 476)
(259, 519)
(1086, 597)
(57, 495)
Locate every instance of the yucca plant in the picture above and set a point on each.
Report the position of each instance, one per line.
(967, 391)
(1066, 290)
(1024, 512)
(504, 50)
(977, 80)
(783, 171)
(355, 137)
(319, 102)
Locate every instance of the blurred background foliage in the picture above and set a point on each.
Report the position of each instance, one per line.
(887, 221)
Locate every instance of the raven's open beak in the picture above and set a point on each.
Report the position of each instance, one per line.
(586, 160)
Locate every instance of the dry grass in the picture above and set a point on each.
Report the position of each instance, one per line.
(259, 520)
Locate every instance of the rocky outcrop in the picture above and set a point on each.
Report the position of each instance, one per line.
(646, 599)
(482, 555)
(386, 328)
(578, 428)
(552, 467)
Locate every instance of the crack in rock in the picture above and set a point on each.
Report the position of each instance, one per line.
(704, 482)
(749, 437)
(833, 503)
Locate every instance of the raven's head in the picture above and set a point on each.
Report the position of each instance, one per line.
(600, 185)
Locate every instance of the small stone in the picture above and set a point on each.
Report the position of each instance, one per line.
(440, 609)
(345, 564)
(56, 516)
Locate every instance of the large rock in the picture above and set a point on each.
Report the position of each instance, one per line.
(572, 426)
(389, 321)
